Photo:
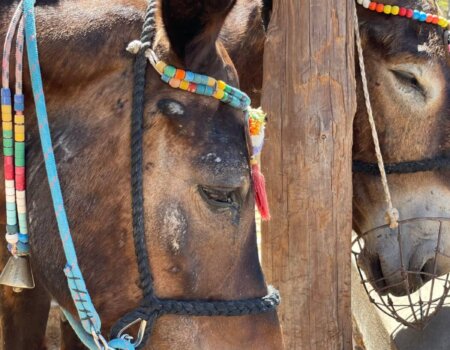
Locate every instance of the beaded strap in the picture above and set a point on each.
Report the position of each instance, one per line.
(405, 12)
(14, 142)
(199, 84)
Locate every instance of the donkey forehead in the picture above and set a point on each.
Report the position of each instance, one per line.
(202, 119)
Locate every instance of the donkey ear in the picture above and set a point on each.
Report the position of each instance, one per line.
(193, 26)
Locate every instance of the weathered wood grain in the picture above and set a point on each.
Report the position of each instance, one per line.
(309, 93)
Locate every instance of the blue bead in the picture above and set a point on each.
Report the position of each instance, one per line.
(416, 14)
(209, 91)
(422, 16)
(23, 248)
(197, 78)
(11, 229)
(23, 238)
(204, 79)
(189, 77)
(19, 103)
(165, 78)
(201, 89)
(5, 92)
(234, 102)
(11, 206)
(6, 96)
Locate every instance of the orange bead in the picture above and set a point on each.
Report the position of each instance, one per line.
(429, 18)
(435, 19)
(175, 83)
(180, 74)
(373, 6)
(380, 8)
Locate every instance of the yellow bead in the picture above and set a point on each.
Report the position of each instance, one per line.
(211, 82)
(7, 117)
(6, 109)
(219, 94)
(19, 119)
(7, 126)
(387, 9)
(441, 21)
(395, 10)
(19, 129)
(184, 85)
(19, 137)
(160, 67)
(221, 85)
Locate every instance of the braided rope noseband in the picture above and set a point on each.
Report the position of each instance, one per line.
(432, 164)
(88, 327)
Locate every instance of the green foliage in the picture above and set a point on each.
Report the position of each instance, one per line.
(444, 5)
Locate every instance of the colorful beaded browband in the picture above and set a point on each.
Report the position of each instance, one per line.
(207, 86)
(405, 12)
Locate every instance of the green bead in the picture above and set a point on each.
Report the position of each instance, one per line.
(8, 143)
(20, 156)
(20, 146)
(7, 134)
(12, 229)
(228, 89)
(8, 151)
(170, 71)
(19, 162)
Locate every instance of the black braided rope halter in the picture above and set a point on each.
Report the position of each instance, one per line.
(431, 164)
(151, 306)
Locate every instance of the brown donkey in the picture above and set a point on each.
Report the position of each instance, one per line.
(407, 66)
(199, 203)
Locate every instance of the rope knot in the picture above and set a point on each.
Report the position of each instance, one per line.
(134, 47)
(392, 216)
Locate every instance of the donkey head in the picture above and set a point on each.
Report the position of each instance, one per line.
(407, 69)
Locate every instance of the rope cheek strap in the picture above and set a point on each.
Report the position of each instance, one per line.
(392, 214)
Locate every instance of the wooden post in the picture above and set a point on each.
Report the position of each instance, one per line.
(309, 94)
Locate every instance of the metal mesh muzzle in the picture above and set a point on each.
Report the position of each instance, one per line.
(425, 291)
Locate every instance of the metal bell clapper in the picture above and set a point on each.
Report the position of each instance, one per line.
(18, 274)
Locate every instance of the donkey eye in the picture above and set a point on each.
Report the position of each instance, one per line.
(408, 79)
(220, 198)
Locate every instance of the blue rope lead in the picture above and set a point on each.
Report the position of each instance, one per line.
(89, 317)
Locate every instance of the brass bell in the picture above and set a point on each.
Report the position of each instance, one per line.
(17, 274)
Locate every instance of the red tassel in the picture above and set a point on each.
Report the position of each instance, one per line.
(259, 184)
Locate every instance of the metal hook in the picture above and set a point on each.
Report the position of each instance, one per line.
(140, 335)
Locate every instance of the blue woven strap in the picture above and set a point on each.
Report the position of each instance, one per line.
(88, 341)
(84, 337)
(90, 320)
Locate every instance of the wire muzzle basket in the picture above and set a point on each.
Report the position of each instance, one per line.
(423, 292)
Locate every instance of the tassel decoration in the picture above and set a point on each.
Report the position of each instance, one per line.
(259, 184)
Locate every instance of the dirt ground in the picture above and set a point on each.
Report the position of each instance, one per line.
(53, 334)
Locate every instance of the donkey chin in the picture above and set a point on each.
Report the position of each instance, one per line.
(400, 261)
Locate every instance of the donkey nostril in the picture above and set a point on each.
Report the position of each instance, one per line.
(428, 271)
(371, 265)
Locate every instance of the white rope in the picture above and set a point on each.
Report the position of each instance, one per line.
(392, 214)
